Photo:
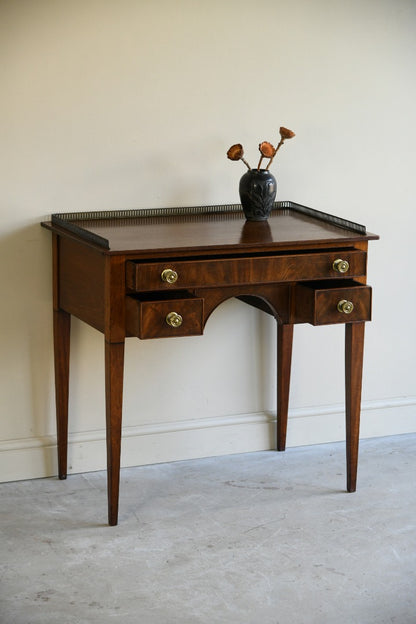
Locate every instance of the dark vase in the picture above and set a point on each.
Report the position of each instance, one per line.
(258, 189)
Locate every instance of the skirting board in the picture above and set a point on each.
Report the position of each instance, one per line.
(33, 458)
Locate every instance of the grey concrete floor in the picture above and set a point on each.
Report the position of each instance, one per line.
(260, 538)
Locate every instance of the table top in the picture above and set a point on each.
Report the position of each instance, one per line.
(206, 229)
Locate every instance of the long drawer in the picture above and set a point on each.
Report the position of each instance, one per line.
(325, 303)
(173, 274)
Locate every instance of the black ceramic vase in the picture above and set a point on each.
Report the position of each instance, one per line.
(258, 189)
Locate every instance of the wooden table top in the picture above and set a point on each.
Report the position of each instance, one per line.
(209, 229)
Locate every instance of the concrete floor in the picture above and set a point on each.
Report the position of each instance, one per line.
(261, 538)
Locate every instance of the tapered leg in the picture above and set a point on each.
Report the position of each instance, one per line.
(61, 334)
(354, 351)
(284, 360)
(114, 368)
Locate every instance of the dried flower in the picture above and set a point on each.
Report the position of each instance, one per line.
(266, 150)
(236, 152)
(286, 134)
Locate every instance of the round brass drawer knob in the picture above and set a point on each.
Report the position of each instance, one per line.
(341, 266)
(174, 319)
(169, 275)
(344, 306)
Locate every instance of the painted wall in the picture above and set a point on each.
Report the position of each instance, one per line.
(123, 104)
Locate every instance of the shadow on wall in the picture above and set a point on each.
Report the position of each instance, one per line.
(26, 319)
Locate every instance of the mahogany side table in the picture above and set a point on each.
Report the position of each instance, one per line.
(159, 273)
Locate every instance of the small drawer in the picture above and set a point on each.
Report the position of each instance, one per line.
(326, 303)
(163, 317)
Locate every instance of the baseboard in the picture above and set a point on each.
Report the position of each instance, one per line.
(32, 458)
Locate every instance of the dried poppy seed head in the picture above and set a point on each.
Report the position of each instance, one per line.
(266, 149)
(285, 133)
(236, 152)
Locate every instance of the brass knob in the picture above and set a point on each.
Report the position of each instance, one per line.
(174, 319)
(169, 275)
(344, 306)
(341, 266)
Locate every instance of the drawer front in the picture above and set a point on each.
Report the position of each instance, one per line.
(325, 305)
(164, 318)
(173, 274)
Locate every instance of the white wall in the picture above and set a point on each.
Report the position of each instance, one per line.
(115, 104)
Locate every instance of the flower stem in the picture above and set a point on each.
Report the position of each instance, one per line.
(246, 163)
(260, 161)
